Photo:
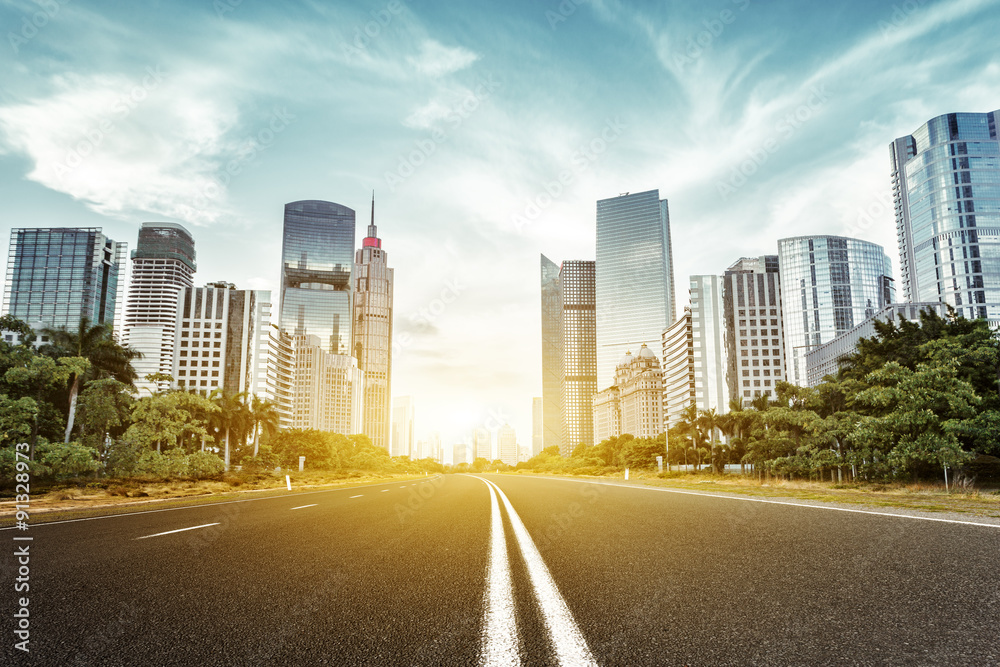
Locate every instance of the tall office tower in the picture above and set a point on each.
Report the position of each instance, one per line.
(461, 453)
(482, 444)
(634, 403)
(828, 284)
(372, 332)
(755, 342)
(55, 276)
(163, 263)
(635, 284)
(507, 445)
(708, 333)
(944, 182)
(678, 368)
(579, 353)
(552, 351)
(537, 425)
(328, 389)
(402, 439)
(434, 442)
(223, 341)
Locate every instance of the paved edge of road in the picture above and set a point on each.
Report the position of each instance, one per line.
(51, 517)
(858, 508)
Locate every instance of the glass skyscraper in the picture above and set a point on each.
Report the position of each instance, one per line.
(55, 276)
(946, 186)
(552, 370)
(317, 255)
(828, 285)
(635, 286)
(576, 281)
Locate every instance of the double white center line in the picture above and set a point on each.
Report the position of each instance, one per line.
(500, 646)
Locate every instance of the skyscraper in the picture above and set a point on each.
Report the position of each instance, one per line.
(579, 353)
(708, 333)
(755, 343)
(537, 426)
(552, 351)
(55, 276)
(402, 438)
(482, 444)
(372, 332)
(828, 285)
(507, 445)
(317, 256)
(945, 184)
(678, 368)
(163, 264)
(635, 286)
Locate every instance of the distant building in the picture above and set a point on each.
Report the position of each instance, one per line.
(708, 336)
(537, 426)
(403, 417)
(482, 444)
(372, 332)
(678, 368)
(436, 449)
(829, 284)
(163, 264)
(636, 397)
(507, 445)
(461, 453)
(552, 355)
(56, 276)
(944, 183)
(634, 280)
(755, 343)
(328, 388)
(825, 359)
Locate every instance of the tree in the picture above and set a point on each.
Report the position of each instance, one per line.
(104, 406)
(232, 417)
(710, 421)
(104, 356)
(264, 415)
(35, 378)
(164, 420)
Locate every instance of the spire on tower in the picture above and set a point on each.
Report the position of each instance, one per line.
(372, 240)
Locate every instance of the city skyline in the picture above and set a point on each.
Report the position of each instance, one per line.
(811, 133)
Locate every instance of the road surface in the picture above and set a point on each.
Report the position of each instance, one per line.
(521, 570)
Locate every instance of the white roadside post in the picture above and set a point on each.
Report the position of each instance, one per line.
(288, 481)
(659, 463)
(302, 463)
(626, 474)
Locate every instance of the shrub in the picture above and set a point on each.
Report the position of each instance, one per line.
(68, 460)
(202, 464)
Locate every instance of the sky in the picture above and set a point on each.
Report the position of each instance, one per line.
(487, 130)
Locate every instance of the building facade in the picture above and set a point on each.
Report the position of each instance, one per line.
(708, 334)
(507, 444)
(677, 342)
(482, 444)
(403, 418)
(579, 353)
(328, 389)
(829, 284)
(56, 276)
(755, 342)
(946, 187)
(372, 332)
(537, 425)
(634, 280)
(635, 402)
(825, 359)
(552, 351)
(163, 264)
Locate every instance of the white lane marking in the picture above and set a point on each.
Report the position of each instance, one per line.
(191, 507)
(302, 507)
(778, 502)
(357, 496)
(384, 491)
(499, 647)
(570, 646)
(179, 530)
(403, 487)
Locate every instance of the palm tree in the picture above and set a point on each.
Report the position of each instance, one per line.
(232, 414)
(710, 421)
(689, 426)
(264, 416)
(97, 345)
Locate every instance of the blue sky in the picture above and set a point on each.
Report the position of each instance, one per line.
(463, 117)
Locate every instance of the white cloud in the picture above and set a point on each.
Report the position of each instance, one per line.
(436, 60)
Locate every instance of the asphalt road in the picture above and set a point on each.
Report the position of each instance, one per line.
(442, 572)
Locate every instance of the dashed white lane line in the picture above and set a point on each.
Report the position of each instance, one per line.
(179, 530)
(302, 507)
(567, 640)
(385, 491)
(357, 496)
(499, 644)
